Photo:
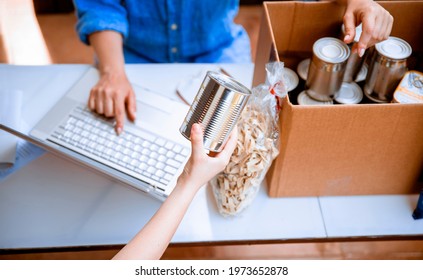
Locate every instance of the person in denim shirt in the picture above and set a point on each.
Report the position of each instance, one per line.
(159, 31)
(187, 31)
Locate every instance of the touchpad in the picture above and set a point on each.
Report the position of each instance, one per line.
(151, 113)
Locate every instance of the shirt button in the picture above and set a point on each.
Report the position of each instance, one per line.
(174, 50)
(174, 26)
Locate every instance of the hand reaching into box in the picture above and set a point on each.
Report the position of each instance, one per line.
(377, 23)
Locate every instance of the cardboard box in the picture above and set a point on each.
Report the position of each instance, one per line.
(341, 149)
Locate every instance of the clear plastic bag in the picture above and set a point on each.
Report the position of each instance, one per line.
(258, 144)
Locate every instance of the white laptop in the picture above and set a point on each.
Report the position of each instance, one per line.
(149, 154)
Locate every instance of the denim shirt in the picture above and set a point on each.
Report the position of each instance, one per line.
(169, 30)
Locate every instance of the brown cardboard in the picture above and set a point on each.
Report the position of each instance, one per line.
(340, 149)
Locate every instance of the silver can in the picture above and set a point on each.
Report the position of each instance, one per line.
(354, 62)
(327, 68)
(388, 66)
(217, 107)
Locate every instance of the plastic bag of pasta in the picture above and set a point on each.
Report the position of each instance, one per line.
(258, 144)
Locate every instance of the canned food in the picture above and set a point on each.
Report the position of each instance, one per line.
(304, 99)
(327, 68)
(354, 62)
(350, 93)
(302, 68)
(388, 66)
(362, 74)
(410, 89)
(291, 79)
(217, 107)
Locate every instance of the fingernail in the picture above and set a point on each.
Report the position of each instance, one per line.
(118, 130)
(361, 52)
(196, 128)
(347, 37)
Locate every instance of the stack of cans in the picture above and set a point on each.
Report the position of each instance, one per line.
(333, 73)
(325, 75)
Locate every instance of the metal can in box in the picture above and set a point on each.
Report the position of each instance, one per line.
(327, 68)
(217, 107)
(388, 66)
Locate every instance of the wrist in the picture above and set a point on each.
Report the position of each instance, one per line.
(188, 184)
(111, 71)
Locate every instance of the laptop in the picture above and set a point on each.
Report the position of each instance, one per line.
(148, 155)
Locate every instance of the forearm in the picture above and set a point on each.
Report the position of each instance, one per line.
(108, 46)
(153, 239)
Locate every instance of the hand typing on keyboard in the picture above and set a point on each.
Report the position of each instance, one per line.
(153, 239)
(111, 96)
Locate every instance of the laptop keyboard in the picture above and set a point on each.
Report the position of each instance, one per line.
(145, 153)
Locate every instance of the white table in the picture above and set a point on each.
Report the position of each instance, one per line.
(45, 205)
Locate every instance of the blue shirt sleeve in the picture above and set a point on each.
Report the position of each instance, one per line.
(99, 15)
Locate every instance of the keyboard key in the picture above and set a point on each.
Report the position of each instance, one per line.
(152, 162)
(143, 166)
(144, 158)
(160, 165)
(160, 141)
(146, 144)
(160, 173)
(170, 154)
(151, 169)
(173, 163)
(169, 145)
(185, 152)
(168, 176)
(170, 169)
(180, 158)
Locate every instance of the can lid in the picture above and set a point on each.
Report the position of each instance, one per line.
(331, 50)
(228, 82)
(349, 93)
(394, 48)
(291, 79)
(302, 68)
(358, 31)
(362, 74)
(304, 99)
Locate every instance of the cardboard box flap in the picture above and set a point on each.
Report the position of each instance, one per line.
(289, 19)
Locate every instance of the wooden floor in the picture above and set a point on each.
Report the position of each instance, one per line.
(64, 47)
(369, 250)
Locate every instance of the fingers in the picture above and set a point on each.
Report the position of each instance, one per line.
(367, 35)
(197, 139)
(119, 109)
(132, 106)
(109, 110)
(230, 145)
(349, 25)
(376, 24)
(111, 103)
(91, 100)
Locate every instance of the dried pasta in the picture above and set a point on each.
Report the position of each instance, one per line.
(237, 185)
